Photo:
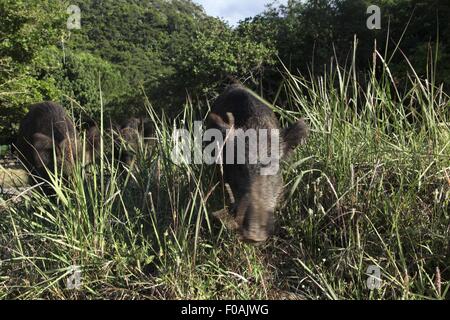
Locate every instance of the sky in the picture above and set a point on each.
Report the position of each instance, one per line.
(234, 10)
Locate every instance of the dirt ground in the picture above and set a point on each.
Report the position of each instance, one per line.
(13, 180)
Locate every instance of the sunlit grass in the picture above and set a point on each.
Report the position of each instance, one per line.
(370, 188)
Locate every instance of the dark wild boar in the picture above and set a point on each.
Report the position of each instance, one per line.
(253, 195)
(47, 133)
(135, 136)
(93, 137)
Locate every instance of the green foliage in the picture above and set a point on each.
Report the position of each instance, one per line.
(371, 186)
(28, 26)
(165, 49)
(137, 38)
(26, 29)
(309, 34)
(218, 51)
(368, 188)
(82, 76)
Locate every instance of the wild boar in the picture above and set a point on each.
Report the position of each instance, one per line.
(253, 194)
(46, 133)
(134, 137)
(93, 136)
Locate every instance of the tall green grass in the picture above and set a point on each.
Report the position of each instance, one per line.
(370, 188)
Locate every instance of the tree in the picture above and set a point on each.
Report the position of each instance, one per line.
(217, 51)
(26, 29)
(308, 35)
(81, 77)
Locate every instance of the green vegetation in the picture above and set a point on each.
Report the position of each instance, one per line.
(307, 34)
(164, 50)
(156, 49)
(370, 188)
(25, 33)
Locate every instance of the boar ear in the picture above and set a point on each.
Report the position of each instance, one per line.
(92, 143)
(293, 136)
(93, 138)
(43, 149)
